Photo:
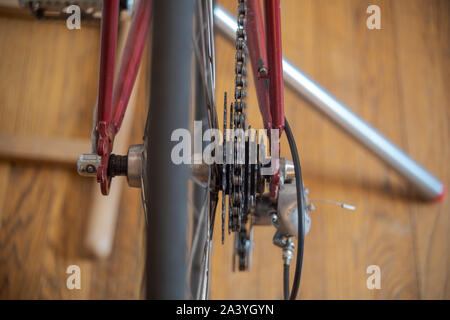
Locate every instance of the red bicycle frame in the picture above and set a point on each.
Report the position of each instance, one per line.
(266, 63)
(113, 104)
(267, 71)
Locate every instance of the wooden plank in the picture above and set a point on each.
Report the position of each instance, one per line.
(64, 151)
(422, 47)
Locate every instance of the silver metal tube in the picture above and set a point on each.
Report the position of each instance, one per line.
(429, 186)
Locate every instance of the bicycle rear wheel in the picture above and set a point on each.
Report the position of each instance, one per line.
(180, 208)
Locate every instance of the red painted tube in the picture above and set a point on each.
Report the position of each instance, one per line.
(258, 56)
(110, 21)
(275, 56)
(130, 61)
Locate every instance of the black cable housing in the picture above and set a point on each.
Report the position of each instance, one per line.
(300, 209)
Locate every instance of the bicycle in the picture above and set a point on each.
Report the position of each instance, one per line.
(183, 71)
(191, 52)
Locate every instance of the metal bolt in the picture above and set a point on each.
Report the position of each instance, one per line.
(90, 168)
(88, 164)
(274, 218)
(263, 71)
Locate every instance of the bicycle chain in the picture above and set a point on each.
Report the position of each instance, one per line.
(239, 179)
(239, 119)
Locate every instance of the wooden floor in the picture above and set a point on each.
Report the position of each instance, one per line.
(396, 78)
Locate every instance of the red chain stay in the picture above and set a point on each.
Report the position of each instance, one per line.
(112, 105)
(268, 71)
